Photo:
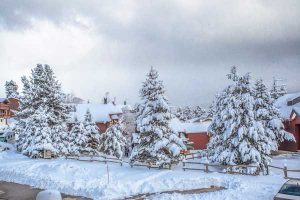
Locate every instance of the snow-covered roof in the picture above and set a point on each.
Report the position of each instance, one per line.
(282, 105)
(297, 110)
(3, 99)
(189, 127)
(100, 112)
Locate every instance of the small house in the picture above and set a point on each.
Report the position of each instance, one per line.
(289, 109)
(104, 115)
(196, 133)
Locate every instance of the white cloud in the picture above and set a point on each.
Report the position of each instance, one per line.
(99, 46)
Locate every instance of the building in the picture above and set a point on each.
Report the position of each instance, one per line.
(103, 115)
(195, 133)
(289, 108)
(7, 109)
(4, 111)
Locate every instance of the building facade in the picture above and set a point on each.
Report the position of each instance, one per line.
(104, 115)
(289, 108)
(7, 109)
(196, 133)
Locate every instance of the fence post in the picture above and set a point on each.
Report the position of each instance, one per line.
(206, 168)
(268, 170)
(285, 172)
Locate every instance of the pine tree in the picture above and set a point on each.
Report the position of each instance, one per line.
(92, 133)
(199, 113)
(113, 142)
(210, 111)
(38, 135)
(77, 139)
(187, 113)
(25, 111)
(237, 138)
(158, 143)
(42, 91)
(179, 114)
(269, 115)
(11, 89)
(277, 90)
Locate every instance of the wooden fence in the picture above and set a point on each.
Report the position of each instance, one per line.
(188, 156)
(211, 168)
(149, 166)
(285, 171)
(102, 159)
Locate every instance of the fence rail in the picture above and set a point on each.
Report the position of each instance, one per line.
(285, 171)
(230, 167)
(208, 168)
(102, 159)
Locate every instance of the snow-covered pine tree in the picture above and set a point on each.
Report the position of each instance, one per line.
(199, 113)
(268, 115)
(188, 113)
(236, 136)
(277, 90)
(38, 135)
(92, 132)
(25, 111)
(158, 142)
(179, 114)
(11, 89)
(77, 139)
(113, 142)
(43, 91)
(58, 112)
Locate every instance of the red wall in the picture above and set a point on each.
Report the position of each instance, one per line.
(102, 126)
(13, 103)
(294, 128)
(200, 140)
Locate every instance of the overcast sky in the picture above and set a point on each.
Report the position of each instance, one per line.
(99, 46)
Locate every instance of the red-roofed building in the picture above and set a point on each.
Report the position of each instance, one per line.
(196, 133)
(7, 108)
(104, 115)
(289, 107)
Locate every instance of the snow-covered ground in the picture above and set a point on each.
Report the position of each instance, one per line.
(90, 179)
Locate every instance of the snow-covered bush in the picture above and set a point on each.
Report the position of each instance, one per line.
(38, 135)
(159, 144)
(92, 132)
(113, 142)
(78, 139)
(49, 195)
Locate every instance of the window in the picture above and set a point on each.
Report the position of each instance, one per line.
(290, 190)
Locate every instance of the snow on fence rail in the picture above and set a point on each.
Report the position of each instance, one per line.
(285, 171)
(96, 159)
(230, 167)
(149, 166)
(188, 156)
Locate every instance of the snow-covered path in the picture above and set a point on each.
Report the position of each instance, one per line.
(90, 179)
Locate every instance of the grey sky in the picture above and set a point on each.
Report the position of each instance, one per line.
(99, 46)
